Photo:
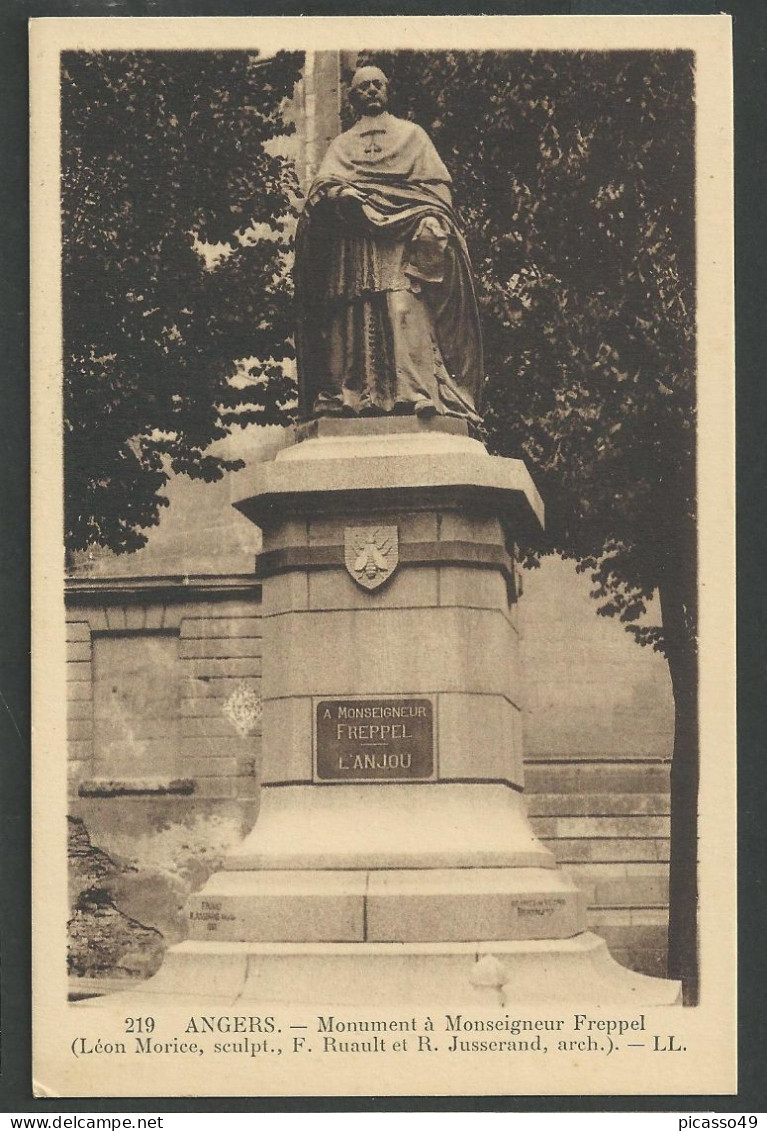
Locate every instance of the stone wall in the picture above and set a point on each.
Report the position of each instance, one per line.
(163, 741)
(598, 738)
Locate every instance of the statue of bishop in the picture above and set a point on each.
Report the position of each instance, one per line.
(386, 312)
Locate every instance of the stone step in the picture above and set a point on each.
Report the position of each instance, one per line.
(566, 776)
(625, 827)
(620, 885)
(619, 849)
(471, 974)
(551, 744)
(597, 804)
(604, 882)
(641, 945)
(633, 921)
(632, 894)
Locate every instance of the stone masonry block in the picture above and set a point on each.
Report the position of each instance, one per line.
(135, 617)
(409, 587)
(220, 687)
(598, 804)
(476, 738)
(293, 907)
(214, 610)
(80, 709)
(293, 532)
(564, 776)
(246, 786)
(78, 672)
(115, 615)
(284, 593)
(82, 689)
(375, 826)
(472, 904)
(197, 628)
(413, 526)
(79, 750)
(417, 526)
(236, 667)
(459, 526)
(97, 618)
(154, 617)
(172, 615)
(217, 787)
(77, 770)
(223, 765)
(624, 827)
(195, 707)
(220, 648)
(473, 588)
(608, 849)
(206, 726)
(647, 891)
(287, 740)
(206, 748)
(157, 718)
(396, 651)
(79, 728)
(78, 630)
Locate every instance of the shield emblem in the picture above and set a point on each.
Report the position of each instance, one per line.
(371, 554)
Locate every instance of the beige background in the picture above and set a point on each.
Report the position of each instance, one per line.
(708, 1031)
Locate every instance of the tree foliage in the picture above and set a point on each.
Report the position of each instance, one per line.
(166, 161)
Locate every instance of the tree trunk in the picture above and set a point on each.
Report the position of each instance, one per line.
(683, 867)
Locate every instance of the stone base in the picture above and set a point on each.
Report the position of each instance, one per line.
(501, 974)
(358, 464)
(437, 905)
(427, 825)
(433, 889)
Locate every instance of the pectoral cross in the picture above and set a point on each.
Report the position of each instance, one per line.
(373, 147)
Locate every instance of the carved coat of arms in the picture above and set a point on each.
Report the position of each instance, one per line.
(371, 553)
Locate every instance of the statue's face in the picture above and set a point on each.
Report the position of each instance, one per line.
(368, 92)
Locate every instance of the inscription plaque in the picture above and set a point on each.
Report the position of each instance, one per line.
(211, 914)
(375, 739)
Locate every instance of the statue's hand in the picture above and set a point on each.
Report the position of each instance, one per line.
(348, 202)
(344, 192)
(350, 195)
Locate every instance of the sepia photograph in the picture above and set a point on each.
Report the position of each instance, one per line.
(383, 506)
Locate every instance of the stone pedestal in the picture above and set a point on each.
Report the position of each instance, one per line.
(393, 859)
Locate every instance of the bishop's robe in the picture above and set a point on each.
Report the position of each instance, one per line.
(386, 312)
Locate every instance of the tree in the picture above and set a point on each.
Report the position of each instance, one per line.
(176, 224)
(574, 175)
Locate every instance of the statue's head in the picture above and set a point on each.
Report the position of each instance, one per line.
(369, 91)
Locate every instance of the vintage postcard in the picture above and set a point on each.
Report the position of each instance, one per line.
(383, 553)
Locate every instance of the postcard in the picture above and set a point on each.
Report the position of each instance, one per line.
(383, 555)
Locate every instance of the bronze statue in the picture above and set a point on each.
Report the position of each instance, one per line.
(386, 314)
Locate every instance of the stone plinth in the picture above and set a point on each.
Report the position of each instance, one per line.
(442, 824)
(531, 973)
(442, 628)
(387, 905)
(393, 859)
